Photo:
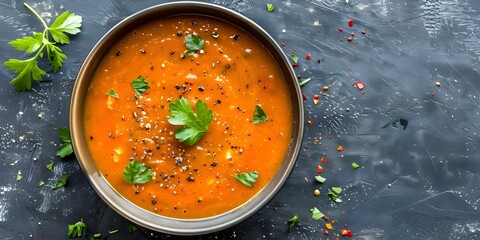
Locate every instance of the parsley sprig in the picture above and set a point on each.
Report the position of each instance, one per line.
(66, 147)
(193, 43)
(137, 173)
(77, 230)
(248, 178)
(195, 125)
(65, 23)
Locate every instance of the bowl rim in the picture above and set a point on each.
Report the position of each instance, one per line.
(139, 215)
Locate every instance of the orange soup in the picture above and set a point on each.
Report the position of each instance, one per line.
(188, 59)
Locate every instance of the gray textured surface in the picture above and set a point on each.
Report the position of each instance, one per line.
(433, 164)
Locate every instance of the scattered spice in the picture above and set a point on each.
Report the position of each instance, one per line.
(323, 160)
(319, 169)
(340, 29)
(325, 88)
(316, 192)
(340, 148)
(350, 23)
(328, 226)
(438, 84)
(359, 85)
(308, 57)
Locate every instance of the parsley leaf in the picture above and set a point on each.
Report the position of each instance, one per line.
(66, 147)
(248, 179)
(140, 85)
(334, 194)
(18, 177)
(355, 165)
(270, 7)
(305, 81)
(294, 220)
(195, 125)
(50, 166)
(194, 43)
(77, 230)
(112, 93)
(294, 58)
(65, 23)
(41, 183)
(137, 173)
(61, 183)
(259, 115)
(28, 69)
(29, 44)
(316, 214)
(320, 179)
(132, 228)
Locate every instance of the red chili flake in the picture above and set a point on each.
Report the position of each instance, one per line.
(299, 76)
(330, 137)
(349, 233)
(350, 23)
(325, 88)
(340, 148)
(363, 93)
(308, 57)
(325, 218)
(344, 232)
(319, 169)
(318, 61)
(340, 29)
(433, 94)
(350, 38)
(353, 34)
(325, 231)
(316, 97)
(363, 32)
(323, 160)
(304, 96)
(283, 44)
(294, 64)
(438, 84)
(359, 85)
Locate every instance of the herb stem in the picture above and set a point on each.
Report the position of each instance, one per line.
(36, 14)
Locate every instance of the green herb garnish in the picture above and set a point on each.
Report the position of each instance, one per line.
(320, 179)
(140, 85)
(305, 81)
(270, 7)
(41, 183)
(355, 165)
(28, 69)
(259, 115)
(334, 194)
(137, 173)
(77, 230)
(50, 166)
(316, 214)
(65, 148)
(61, 183)
(112, 93)
(194, 43)
(294, 58)
(18, 177)
(294, 220)
(113, 231)
(248, 179)
(96, 236)
(195, 125)
(132, 228)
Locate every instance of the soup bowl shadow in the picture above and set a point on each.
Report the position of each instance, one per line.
(139, 215)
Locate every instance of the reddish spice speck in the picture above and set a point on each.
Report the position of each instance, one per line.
(304, 96)
(353, 34)
(323, 160)
(433, 94)
(344, 232)
(325, 231)
(350, 38)
(310, 122)
(308, 57)
(299, 76)
(318, 61)
(294, 64)
(438, 84)
(359, 85)
(340, 29)
(340, 148)
(325, 218)
(330, 137)
(316, 97)
(319, 169)
(363, 32)
(283, 44)
(349, 233)
(363, 93)
(350, 23)
(325, 88)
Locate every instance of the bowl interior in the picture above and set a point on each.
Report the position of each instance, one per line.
(126, 208)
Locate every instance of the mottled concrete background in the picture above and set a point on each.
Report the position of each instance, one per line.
(402, 129)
